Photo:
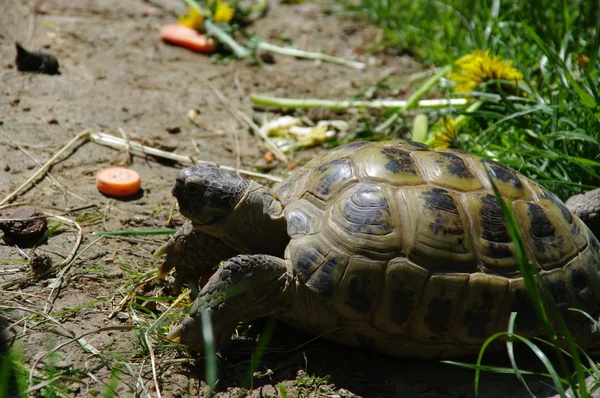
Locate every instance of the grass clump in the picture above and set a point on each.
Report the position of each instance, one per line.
(541, 115)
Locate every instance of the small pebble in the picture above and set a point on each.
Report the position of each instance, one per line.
(173, 130)
(61, 364)
(122, 316)
(40, 264)
(52, 121)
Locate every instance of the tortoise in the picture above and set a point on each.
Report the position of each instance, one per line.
(391, 246)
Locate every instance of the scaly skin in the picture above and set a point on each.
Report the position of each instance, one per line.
(245, 288)
(193, 254)
(587, 207)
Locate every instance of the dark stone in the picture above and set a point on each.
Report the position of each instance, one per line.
(23, 226)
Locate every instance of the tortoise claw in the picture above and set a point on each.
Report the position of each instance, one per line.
(175, 334)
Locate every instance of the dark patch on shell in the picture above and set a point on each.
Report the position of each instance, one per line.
(439, 224)
(526, 315)
(493, 224)
(456, 166)
(503, 173)
(541, 228)
(354, 145)
(438, 199)
(398, 161)
(418, 145)
(322, 280)
(332, 173)
(403, 300)
(477, 319)
(306, 260)
(438, 314)
(580, 284)
(500, 250)
(361, 296)
(558, 290)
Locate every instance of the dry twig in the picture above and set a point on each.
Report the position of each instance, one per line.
(240, 116)
(42, 170)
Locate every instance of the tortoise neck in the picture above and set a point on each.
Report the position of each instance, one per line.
(256, 225)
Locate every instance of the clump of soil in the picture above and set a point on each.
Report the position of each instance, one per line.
(23, 226)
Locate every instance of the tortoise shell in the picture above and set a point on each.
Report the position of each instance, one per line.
(408, 247)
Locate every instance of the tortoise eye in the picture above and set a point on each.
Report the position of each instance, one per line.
(192, 188)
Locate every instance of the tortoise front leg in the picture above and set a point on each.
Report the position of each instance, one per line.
(193, 254)
(244, 288)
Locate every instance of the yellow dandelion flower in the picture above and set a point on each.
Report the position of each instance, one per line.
(445, 133)
(480, 67)
(193, 20)
(223, 12)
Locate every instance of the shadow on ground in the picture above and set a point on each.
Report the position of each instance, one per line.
(322, 368)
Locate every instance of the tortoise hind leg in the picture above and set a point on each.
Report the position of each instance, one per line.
(246, 287)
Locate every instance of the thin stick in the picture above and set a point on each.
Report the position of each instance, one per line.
(52, 179)
(241, 116)
(67, 261)
(149, 344)
(141, 150)
(83, 135)
(294, 52)
(294, 103)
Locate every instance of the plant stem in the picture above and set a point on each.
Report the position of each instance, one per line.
(294, 52)
(136, 232)
(289, 103)
(214, 30)
(414, 99)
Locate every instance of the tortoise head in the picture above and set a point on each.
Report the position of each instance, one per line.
(207, 194)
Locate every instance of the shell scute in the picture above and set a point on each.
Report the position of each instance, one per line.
(401, 294)
(329, 178)
(446, 169)
(438, 236)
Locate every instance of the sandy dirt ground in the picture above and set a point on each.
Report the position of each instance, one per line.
(117, 75)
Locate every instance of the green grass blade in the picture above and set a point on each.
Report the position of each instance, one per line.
(585, 97)
(210, 352)
(538, 293)
(511, 353)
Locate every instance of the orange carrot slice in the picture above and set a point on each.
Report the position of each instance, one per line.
(188, 38)
(118, 181)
